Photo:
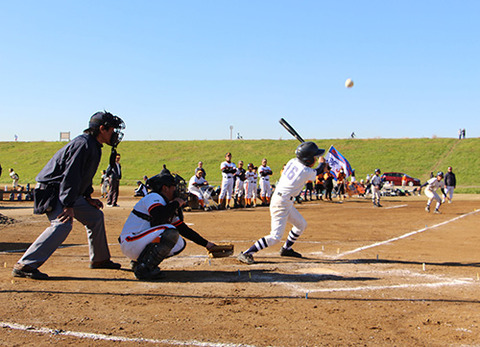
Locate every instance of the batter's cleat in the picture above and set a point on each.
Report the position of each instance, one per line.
(246, 258)
(34, 274)
(378, 205)
(437, 211)
(427, 209)
(289, 253)
(106, 264)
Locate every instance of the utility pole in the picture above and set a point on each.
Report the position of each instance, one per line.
(231, 129)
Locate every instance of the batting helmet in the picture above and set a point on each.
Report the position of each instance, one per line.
(440, 173)
(378, 170)
(307, 151)
(156, 182)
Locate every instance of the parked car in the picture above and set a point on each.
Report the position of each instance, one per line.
(396, 179)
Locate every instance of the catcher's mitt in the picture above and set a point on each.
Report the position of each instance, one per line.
(221, 250)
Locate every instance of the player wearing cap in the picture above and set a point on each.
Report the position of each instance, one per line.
(282, 211)
(431, 191)
(228, 169)
(64, 191)
(376, 185)
(265, 172)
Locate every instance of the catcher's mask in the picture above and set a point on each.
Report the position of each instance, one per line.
(108, 120)
(156, 182)
(308, 153)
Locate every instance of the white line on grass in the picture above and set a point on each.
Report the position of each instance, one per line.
(403, 236)
(93, 336)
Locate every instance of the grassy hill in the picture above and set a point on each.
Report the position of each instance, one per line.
(416, 157)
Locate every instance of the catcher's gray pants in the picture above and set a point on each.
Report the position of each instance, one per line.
(57, 232)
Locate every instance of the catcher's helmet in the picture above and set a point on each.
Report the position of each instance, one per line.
(440, 173)
(110, 121)
(156, 182)
(307, 151)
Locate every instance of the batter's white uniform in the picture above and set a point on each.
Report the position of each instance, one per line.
(431, 190)
(282, 211)
(137, 232)
(194, 186)
(250, 184)
(227, 180)
(376, 187)
(265, 187)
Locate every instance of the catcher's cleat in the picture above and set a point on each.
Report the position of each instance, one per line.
(427, 208)
(246, 258)
(289, 253)
(34, 274)
(142, 272)
(106, 264)
(437, 211)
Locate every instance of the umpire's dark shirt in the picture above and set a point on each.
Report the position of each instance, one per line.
(450, 180)
(73, 167)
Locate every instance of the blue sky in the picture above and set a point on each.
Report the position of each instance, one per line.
(180, 70)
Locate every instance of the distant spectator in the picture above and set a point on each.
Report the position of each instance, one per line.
(352, 135)
(141, 190)
(0, 170)
(464, 132)
(165, 171)
(200, 167)
(114, 173)
(341, 177)
(14, 177)
(450, 184)
(404, 181)
(328, 182)
(460, 132)
(308, 190)
(104, 184)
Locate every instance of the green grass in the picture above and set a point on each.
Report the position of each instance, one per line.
(416, 157)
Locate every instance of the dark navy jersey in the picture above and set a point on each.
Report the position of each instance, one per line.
(73, 168)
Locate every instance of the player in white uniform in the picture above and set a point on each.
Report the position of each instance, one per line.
(153, 228)
(265, 172)
(250, 186)
(195, 185)
(282, 211)
(228, 169)
(431, 191)
(376, 186)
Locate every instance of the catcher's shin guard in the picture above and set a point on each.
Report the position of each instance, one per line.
(154, 253)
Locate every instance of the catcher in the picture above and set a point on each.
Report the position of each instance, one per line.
(154, 228)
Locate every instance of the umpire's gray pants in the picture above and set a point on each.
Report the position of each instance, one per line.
(57, 232)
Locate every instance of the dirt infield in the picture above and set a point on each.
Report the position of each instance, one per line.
(370, 276)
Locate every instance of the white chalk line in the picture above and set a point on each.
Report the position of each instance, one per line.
(396, 206)
(356, 250)
(93, 336)
(366, 288)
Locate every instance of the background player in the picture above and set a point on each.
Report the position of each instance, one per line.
(297, 171)
(265, 172)
(228, 169)
(250, 186)
(195, 185)
(431, 191)
(152, 230)
(376, 185)
(239, 177)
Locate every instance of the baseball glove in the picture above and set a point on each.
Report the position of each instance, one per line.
(221, 250)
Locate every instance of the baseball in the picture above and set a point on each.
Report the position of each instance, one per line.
(349, 83)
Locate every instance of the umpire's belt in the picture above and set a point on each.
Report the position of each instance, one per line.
(280, 194)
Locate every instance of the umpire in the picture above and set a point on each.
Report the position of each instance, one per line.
(63, 192)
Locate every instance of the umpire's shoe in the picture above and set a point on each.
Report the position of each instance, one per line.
(289, 253)
(106, 264)
(246, 258)
(27, 272)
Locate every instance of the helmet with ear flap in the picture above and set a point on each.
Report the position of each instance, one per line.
(307, 151)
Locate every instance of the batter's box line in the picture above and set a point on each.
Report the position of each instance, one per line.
(455, 282)
(93, 336)
(356, 250)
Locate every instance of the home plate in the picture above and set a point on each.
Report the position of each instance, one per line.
(317, 271)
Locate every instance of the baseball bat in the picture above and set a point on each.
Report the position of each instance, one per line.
(291, 130)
